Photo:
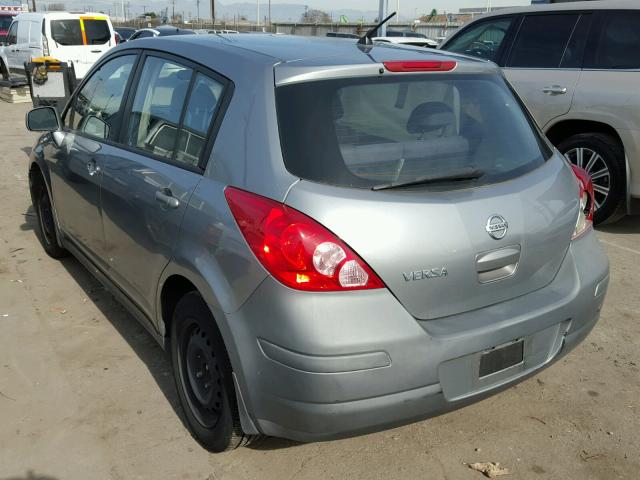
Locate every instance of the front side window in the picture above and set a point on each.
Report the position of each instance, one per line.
(157, 107)
(96, 110)
(97, 31)
(542, 41)
(367, 132)
(67, 32)
(618, 42)
(12, 36)
(482, 40)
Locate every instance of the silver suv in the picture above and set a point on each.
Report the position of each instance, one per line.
(577, 68)
(329, 238)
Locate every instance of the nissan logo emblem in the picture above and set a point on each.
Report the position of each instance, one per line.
(497, 227)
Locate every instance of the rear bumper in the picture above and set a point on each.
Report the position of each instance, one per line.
(317, 367)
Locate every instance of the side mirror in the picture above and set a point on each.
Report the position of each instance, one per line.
(43, 119)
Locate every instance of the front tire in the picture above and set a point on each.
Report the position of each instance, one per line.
(203, 377)
(46, 224)
(603, 158)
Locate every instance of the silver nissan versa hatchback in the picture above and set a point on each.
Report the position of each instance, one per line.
(329, 238)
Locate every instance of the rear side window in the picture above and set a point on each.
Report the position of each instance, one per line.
(67, 32)
(201, 109)
(157, 107)
(371, 131)
(173, 111)
(542, 41)
(97, 31)
(481, 40)
(618, 42)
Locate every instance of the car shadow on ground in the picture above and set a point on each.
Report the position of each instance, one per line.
(30, 475)
(627, 224)
(140, 341)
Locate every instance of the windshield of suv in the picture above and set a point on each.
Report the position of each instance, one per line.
(364, 132)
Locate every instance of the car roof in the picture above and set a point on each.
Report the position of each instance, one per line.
(296, 49)
(555, 7)
(61, 15)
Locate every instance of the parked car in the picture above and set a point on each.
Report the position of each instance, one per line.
(7, 14)
(161, 31)
(124, 33)
(78, 38)
(342, 35)
(579, 80)
(329, 239)
(421, 41)
(222, 32)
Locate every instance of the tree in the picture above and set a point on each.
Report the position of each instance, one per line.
(314, 16)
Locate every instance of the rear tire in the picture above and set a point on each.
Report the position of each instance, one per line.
(46, 224)
(3, 71)
(603, 158)
(203, 377)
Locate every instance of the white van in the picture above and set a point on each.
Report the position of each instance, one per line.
(80, 38)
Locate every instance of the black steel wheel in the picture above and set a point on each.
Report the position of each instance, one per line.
(46, 226)
(203, 376)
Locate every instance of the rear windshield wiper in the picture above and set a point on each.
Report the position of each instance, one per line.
(455, 176)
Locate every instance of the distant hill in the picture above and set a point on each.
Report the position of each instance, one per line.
(280, 12)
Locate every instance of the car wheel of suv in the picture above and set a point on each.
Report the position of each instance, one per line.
(46, 226)
(602, 157)
(202, 373)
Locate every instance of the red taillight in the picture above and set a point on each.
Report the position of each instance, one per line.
(587, 201)
(420, 66)
(295, 249)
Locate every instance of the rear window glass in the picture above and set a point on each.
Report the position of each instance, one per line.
(618, 42)
(97, 32)
(66, 32)
(367, 132)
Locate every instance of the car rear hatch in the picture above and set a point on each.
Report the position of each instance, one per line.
(439, 181)
(81, 40)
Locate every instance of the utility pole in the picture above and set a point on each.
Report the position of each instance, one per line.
(382, 14)
(257, 13)
(398, 11)
(269, 15)
(198, 11)
(33, 2)
(213, 13)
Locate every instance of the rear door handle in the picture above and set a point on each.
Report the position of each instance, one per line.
(96, 51)
(555, 90)
(166, 199)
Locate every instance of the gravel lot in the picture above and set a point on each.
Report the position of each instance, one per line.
(86, 393)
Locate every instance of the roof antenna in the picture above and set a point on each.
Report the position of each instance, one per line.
(366, 39)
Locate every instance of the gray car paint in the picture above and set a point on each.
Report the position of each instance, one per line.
(316, 366)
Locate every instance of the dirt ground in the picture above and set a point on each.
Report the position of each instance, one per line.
(86, 393)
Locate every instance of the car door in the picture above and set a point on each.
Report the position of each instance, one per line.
(35, 40)
(147, 186)
(12, 46)
(91, 123)
(23, 53)
(545, 60)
